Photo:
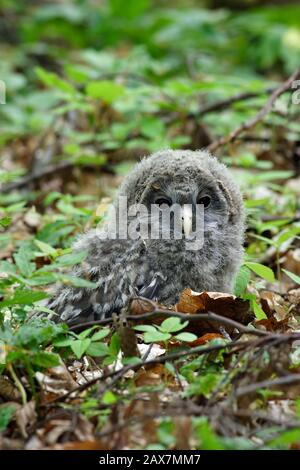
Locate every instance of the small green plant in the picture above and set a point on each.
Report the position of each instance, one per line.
(6, 414)
(24, 350)
(242, 280)
(165, 331)
(87, 342)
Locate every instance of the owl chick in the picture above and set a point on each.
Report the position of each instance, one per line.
(159, 267)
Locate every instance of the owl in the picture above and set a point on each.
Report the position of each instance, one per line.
(125, 260)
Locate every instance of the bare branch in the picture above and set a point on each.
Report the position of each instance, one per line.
(259, 116)
(285, 380)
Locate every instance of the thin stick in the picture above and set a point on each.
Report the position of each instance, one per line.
(285, 380)
(18, 383)
(116, 375)
(259, 116)
(49, 170)
(157, 312)
(227, 102)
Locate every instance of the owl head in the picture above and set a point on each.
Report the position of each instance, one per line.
(187, 179)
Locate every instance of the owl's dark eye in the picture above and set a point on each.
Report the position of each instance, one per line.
(163, 202)
(205, 200)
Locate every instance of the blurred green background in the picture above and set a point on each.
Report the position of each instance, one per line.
(92, 84)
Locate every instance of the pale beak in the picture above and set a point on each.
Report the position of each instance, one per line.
(187, 218)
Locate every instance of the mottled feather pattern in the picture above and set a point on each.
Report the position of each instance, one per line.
(160, 269)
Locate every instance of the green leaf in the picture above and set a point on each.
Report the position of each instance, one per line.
(292, 276)
(172, 324)
(97, 349)
(7, 267)
(51, 79)
(145, 328)
(273, 175)
(24, 297)
(109, 360)
(63, 343)
(94, 160)
(99, 335)
(41, 278)
(208, 440)
(76, 281)
(105, 90)
(79, 346)
(71, 259)
(129, 9)
(261, 270)
(6, 414)
(286, 438)
(187, 337)
(154, 336)
(258, 311)
(131, 360)
(44, 359)
(242, 281)
(203, 385)
(40, 308)
(286, 235)
(115, 345)
(5, 221)
(151, 127)
(45, 248)
(109, 398)
(22, 259)
(85, 333)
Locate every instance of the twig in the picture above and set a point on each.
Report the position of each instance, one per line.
(196, 410)
(227, 102)
(49, 170)
(157, 312)
(286, 380)
(200, 350)
(18, 383)
(259, 116)
(183, 316)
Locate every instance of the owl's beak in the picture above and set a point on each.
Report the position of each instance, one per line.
(187, 218)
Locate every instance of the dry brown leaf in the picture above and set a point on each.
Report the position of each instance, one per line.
(223, 304)
(291, 262)
(80, 445)
(277, 311)
(153, 375)
(73, 427)
(57, 381)
(32, 218)
(151, 351)
(293, 297)
(191, 302)
(127, 335)
(218, 302)
(140, 306)
(8, 390)
(144, 431)
(26, 416)
(10, 444)
(205, 339)
(183, 431)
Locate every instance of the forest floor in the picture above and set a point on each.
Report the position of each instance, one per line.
(217, 371)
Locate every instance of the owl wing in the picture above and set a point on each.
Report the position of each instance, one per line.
(119, 268)
(109, 265)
